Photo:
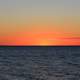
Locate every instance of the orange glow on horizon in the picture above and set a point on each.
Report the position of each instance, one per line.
(43, 39)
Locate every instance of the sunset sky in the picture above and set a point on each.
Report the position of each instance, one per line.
(39, 22)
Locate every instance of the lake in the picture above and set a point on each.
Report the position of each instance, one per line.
(40, 63)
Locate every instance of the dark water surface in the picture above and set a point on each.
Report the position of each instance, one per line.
(40, 63)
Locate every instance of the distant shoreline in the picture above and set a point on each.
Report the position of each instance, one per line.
(39, 45)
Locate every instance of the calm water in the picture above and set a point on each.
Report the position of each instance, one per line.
(40, 63)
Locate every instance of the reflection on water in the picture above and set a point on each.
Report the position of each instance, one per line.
(39, 63)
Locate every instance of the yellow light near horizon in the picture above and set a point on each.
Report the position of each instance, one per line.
(44, 42)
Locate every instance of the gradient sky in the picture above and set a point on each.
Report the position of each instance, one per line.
(39, 22)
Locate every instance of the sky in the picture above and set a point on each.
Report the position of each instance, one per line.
(39, 22)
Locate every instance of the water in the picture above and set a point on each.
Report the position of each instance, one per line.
(40, 63)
